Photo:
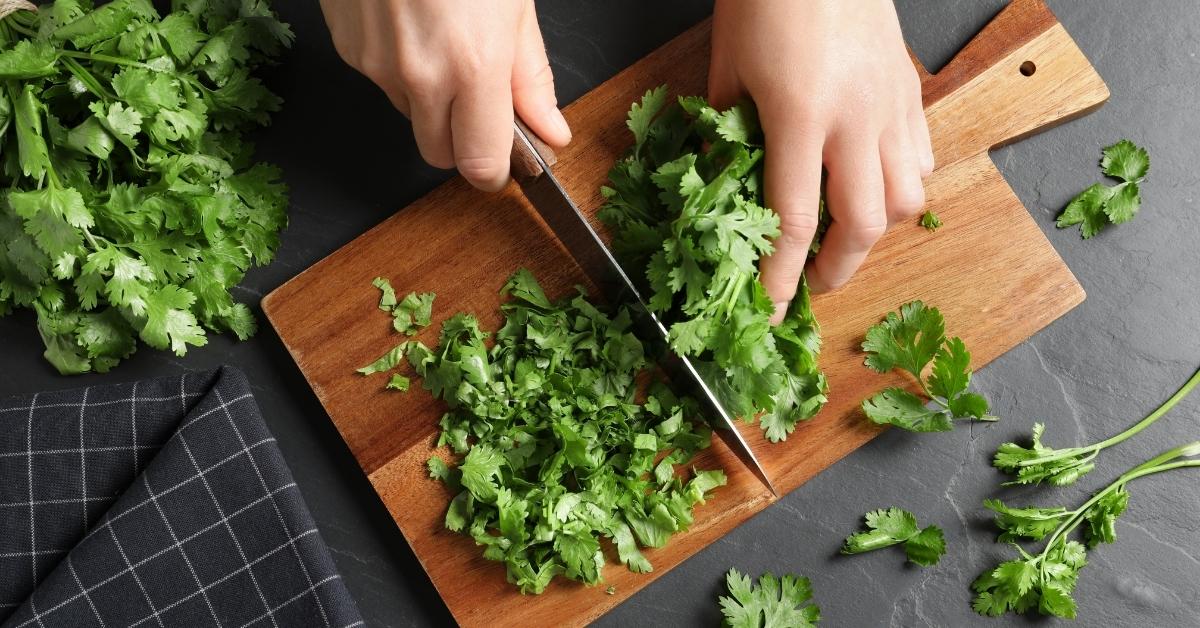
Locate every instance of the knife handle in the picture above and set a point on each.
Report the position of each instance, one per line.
(525, 164)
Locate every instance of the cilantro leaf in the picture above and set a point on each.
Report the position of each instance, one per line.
(770, 603)
(1125, 161)
(893, 526)
(1100, 205)
(909, 340)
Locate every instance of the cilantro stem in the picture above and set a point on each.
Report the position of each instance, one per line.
(107, 59)
(1093, 450)
(87, 79)
(13, 24)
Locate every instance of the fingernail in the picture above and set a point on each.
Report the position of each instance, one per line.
(560, 123)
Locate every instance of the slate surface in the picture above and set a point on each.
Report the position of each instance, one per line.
(351, 162)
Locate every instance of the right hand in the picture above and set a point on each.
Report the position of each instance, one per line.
(458, 70)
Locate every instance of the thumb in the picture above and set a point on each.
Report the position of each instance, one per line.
(533, 84)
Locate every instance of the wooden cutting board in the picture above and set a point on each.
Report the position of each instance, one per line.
(989, 269)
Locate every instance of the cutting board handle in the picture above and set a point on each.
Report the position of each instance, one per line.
(524, 163)
(1021, 74)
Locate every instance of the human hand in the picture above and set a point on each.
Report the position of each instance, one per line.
(458, 70)
(834, 87)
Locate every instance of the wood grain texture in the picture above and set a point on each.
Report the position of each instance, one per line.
(989, 269)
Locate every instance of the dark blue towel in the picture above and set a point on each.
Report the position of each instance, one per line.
(158, 503)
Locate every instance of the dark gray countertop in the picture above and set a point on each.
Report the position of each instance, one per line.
(351, 162)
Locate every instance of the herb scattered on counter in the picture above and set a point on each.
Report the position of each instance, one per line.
(132, 201)
(1044, 581)
(1038, 463)
(685, 204)
(930, 221)
(909, 340)
(893, 526)
(784, 602)
(558, 452)
(1101, 205)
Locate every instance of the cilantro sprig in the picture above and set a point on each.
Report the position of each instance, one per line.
(132, 202)
(1037, 463)
(772, 602)
(910, 340)
(1045, 580)
(558, 451)
(1101, 205)
(895, 526)
(686, 205)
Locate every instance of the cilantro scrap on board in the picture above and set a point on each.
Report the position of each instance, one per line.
(930, 221)
(559, 449)
(686, 205)
(772, 602)
(910, 340)
(893, 526)
(1101, 205)
(132, 201)
(1044, 581)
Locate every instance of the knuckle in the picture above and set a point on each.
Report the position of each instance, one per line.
(907, 200)
(865, 234)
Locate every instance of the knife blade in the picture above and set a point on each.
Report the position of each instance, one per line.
(531, 161)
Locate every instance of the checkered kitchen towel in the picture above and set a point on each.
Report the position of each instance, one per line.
(158, 503)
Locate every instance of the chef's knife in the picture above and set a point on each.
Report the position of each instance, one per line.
(531, 161)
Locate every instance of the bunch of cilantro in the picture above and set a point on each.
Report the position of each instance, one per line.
(685, 204)
(132, 203)
(561, 446)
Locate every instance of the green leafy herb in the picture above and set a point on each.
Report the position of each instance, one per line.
(1100, 205)
(132, 203)
(685, 205)
(893, 526)
(409, 315)
(1045, 580)
(930, 221)
(910, 340)
(1038, 463)
(772, 602)
(557, 451)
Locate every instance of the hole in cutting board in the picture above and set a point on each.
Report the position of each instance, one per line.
(1028, 68)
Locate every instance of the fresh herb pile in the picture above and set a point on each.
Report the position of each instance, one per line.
(1101, 205)
(560, 449)
(772, 602)
(685, 204)
(1045, 580)
(910, 340)
(132, 200)
(895, 526)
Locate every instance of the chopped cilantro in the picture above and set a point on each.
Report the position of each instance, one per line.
(909, 340)
(132, 201)
(559, 449)
(686, 208)
(930, 221)
(772, 602)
